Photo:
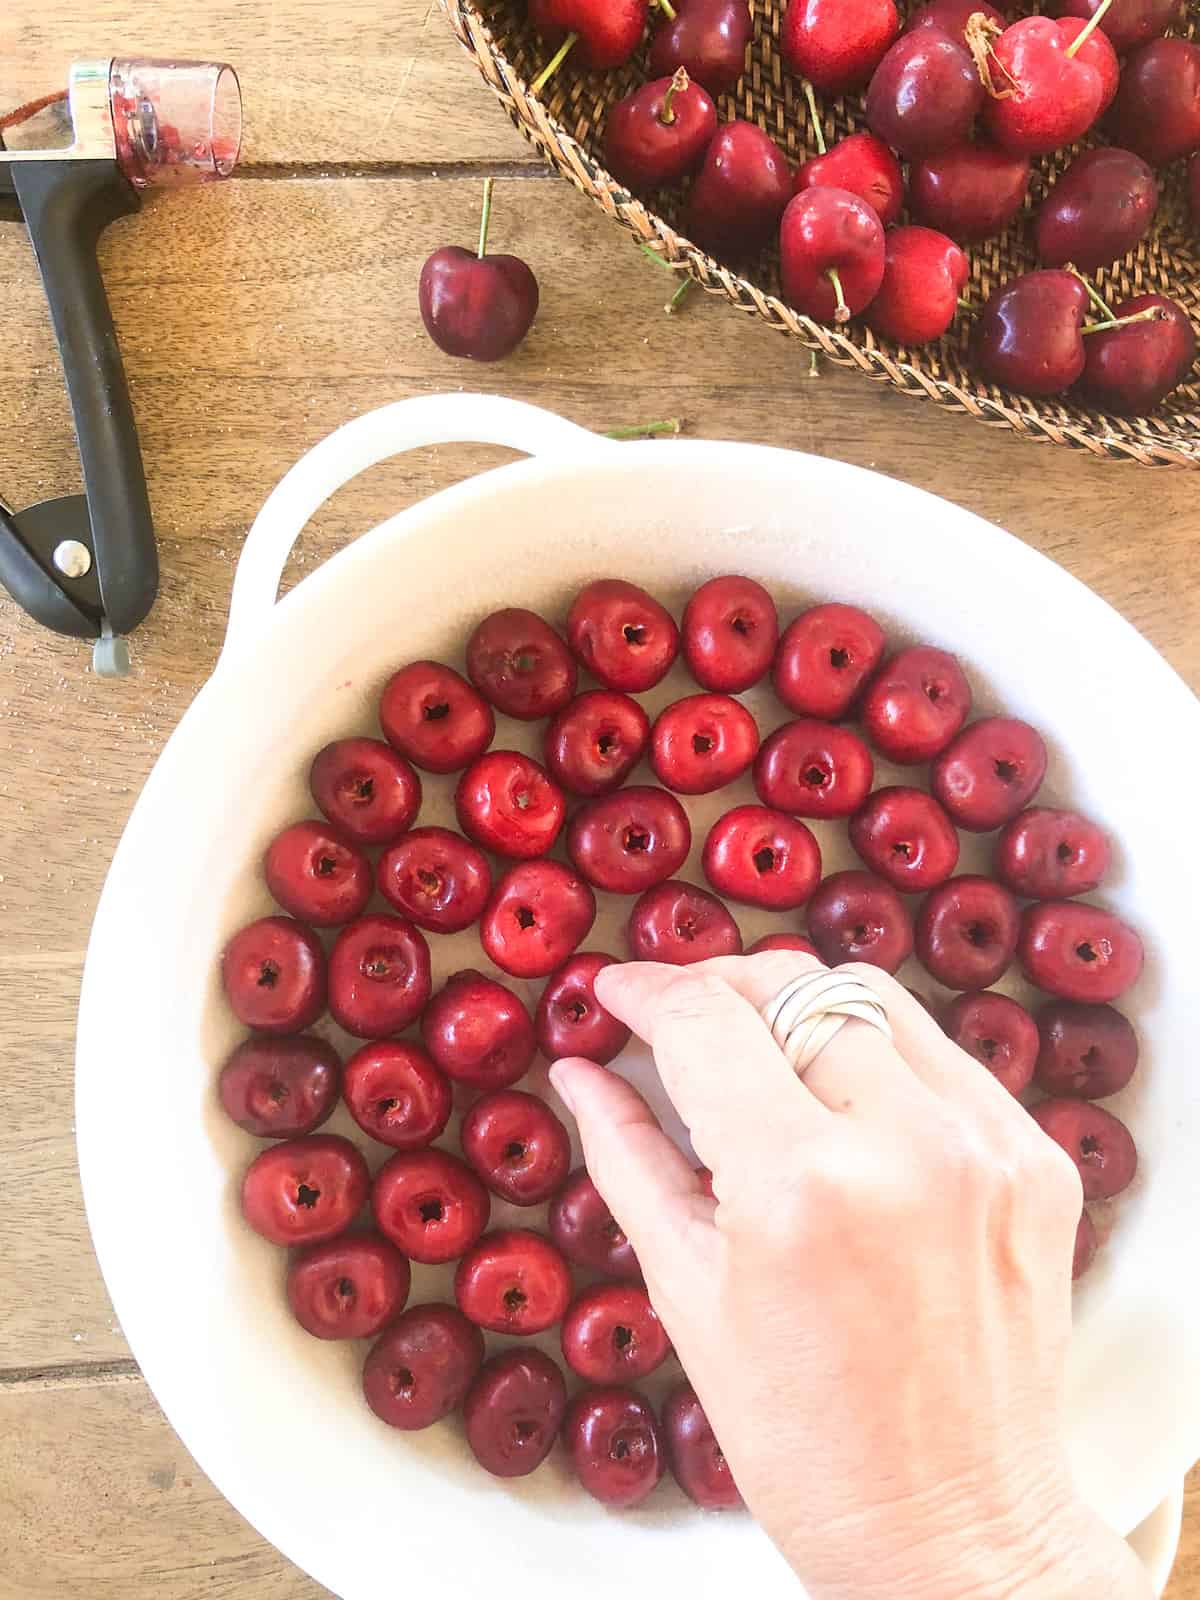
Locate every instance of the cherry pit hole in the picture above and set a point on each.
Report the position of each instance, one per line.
(839, 659)
(514, 1150)
(436, 712)
(634, 633)
(988, 1049)
(1090, 1148)
(1065, 852)
(935, 692)
(702, 743)
(1087, 952)
(402, 1382)
(514, 1299)
(525, 918)
(636, 840)
(363, 791)
(816, 777)
(326, 866)
(764, 859)
(622, 1338)
(1090, 1057)
(978, 934)
(576, 1009)
(345, 1288)
(431, 1211)
(524, 1430)
(268, 975)
(1007, 771)
(606, 743)
(742, 625)
(306, 1196)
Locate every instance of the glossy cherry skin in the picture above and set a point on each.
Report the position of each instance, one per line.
(865, 166)
(1098, 52)
(435, 878)
(274, 975)
(1156, 112)
(305, 1190)
(966, 934)
(739, 193)
(834, 45)
(1130, 370)
(1028, 336)
(1128, 23)
(570, 1021)
(923, 275)
(379, 976)
(969, 193)
(315, 873)
(395, 1093)
(905, 837)
(587, 1233)
(729, 633)
(1055, 97)
(348, 1288)
(814, 769)
(594, 743)
(513, 1281)
(696, 1459)
(650, 140)
(951, 16)
(1086, 1245)
(989, 772)
(1086, 1050)
(611, 1334)
(1079, 952)
(677, 923)
(824, 658)
(429, 1204)
(615, 1446)
(916, 704)
(762, 858)
(1101, 207)
(702, 743)
(365, 789)
(1048, 854)
(925, 94)
(783, 941)
(998, 1032)
(608, 31)
(518, 663)
(540, 911)
(516, 1144)
(708, 39)
(629, 841)
(855, 916)
(624, 638)
(480, 307)
(506, 802)
(513, 1411)
(435, 718)
(826, 230)
(478, 1032)
(420, 1369)
(1100, 1145)
(280, 1088)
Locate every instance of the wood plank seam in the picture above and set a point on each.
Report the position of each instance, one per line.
(69, 1375)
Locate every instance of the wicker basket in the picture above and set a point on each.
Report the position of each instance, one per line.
(565, 125)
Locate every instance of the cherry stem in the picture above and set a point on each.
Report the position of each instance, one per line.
(486, 215)
(647, 430)
(1150, 314)
(814, 364)
(842, 314)
(965, 305)
(677, 85)
(655, 257)
(1094, 295)
(815, 118)
(1085, 33)
(667, 9)
(677, 299)
(555, 61)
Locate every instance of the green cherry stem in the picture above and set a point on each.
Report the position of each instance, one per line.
(1084, 34)
(677, 85)
(486, 215)
(815, 118)
(680, 295)
(555, 61)
(1150, 314)
(967, 308)
(648, 430)
(655, 257)
(842, 314)
(667, 9)
(1094, 295)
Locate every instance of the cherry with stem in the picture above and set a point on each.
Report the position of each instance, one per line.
(555, 61)
(1085, 33)
(842, 314)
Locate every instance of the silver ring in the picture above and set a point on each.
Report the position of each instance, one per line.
(810, 1011)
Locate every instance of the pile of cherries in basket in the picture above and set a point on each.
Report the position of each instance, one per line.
(967, 98)
(843, 696)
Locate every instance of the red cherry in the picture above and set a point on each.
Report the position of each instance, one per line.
(365, 789)
(518, 662)
(1045, 854)
(436, 879)
(1028, 335)
(586, 1232)
(476, 306)
(396, 1094)
(923, 276)
(702, 743)
(708, 38)
(970, 193)
(429, 1204)
(658, 134)
(513, 1281)
(904, 835)
(625, 639)
(593, 744)
(1099, 1144)
(305, 1190)
(854, 916)
(611, 1333)
(1043, 97)
(783, 941)
(831, 254)
(951, 16)
(1101, 207)
(730, 630)
(570, 1021)
(697, 1460)
(966, 932)
(1078, 951)
(916, 705)
(628, 841)
(925, 94)
(677, 923)
(1085, 1050)
(739, 195)
(513, 1412)
(516, 1144)
(998, 1032)
(274, 975)
(434, 717)
(422, 1366)
(989, 772)
(862, 164)
(1128, 370)
(607, 31)
(1086, 1245)
(1157, 108)
(507, 803)
(825, 657)
(834, 45)
(613, 1440)
(1097, 51)
(478, 1032)
(279, 1088)
(540, 911)
(348, 1288)
(813, 769)
(1127, 23)
(378, 976)
(315, 873)
(762, 858)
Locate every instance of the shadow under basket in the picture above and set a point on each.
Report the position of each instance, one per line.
(566, 124)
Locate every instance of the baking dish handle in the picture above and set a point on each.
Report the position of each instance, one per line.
(392, 429)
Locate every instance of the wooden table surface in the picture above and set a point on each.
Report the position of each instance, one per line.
(254, 318)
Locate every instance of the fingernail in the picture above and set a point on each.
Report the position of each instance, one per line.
(558, 1077)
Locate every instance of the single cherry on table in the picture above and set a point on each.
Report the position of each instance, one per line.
(279, 1088)
(506, 802)
(696, 1459)
(678, 923)
(539, 912)
(513, 1411)
(628, 841)
(658, 134)
(420, 1368)
(429, 1204)
(1090, 1051)
(348, 1288)
(998, 1032)
(274, 974)
(434, 717)
(966, 932)
(379, 976)
(762, 857)
(1051, 854)
(396, 1094)
(435, 878)
(624, 638)
(317, 874)
(513, 1281)
(825, 657)
(702, 742)
(594, 743)
(517, 1146)
(587, 1233)
(305, 1190)
(478, 1032)
(570, 1021)
(855, 916)
(366, 789)
(613, 1440)
(611, 1334)
(708, 38)
(518, 663)
(477, 305)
